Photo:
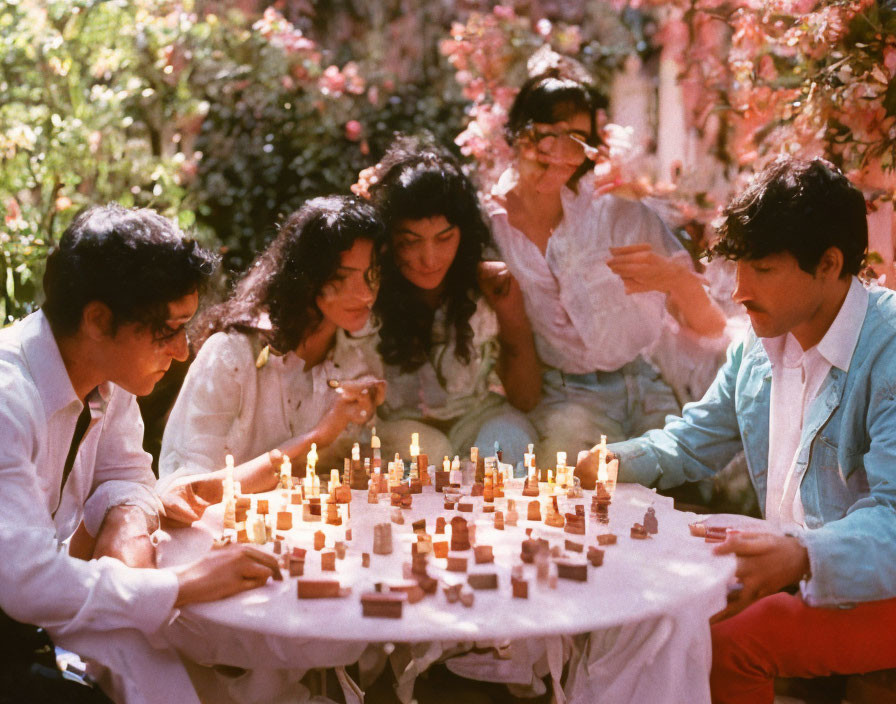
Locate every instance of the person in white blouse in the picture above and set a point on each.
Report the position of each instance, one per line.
(120, 287)
(598, 273)
(289, 360)
(453, 327)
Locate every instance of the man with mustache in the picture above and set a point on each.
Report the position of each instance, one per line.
(810, 396)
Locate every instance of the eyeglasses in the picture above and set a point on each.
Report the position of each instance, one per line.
(558, 143)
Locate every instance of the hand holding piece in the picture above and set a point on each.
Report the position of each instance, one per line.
(766, 563)
(586, 466)
(183, 503)
(356, 402)
(224, 571)
(642, 269)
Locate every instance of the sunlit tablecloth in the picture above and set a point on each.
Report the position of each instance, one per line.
(646, 607)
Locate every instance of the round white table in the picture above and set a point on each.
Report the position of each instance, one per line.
(670, 580)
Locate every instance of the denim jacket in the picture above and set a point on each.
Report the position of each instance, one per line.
(846, 460)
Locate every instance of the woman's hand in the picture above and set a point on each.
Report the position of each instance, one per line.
(502, 292)
(184, 503)
(356, 402)
(642, 269)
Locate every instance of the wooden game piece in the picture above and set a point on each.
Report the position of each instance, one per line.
(262, 506)
(606, 539)
(457, 564)
(440, 548)
(460, 534)
(382, 539)
(320, 539)
(483, 554)
(419, 526)
(519, 587)
(383, 605)
(328, 561)
(573, 546)
(499, 520)
(534, 511)
(575, 524)
(575, 571)
(365, 559)
(284, 520)
(340, 550)
(466, 597)
(452, 593)
(465, 507)
(309, 588)
(296, 566)
(440, 525)
(639, 532)
(410, 588)
(595, 556)
(482, 580)
(651, 525)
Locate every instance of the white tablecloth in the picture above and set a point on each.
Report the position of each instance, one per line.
(650, 600)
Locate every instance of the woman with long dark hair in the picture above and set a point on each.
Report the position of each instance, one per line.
(599, 273)
(453, 326)
(288, 360)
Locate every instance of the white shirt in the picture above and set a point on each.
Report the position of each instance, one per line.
(582, 318)
(39, 582)
(445, 388)
(228, 404)
(797, 377)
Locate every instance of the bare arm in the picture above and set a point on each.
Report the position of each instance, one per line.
(356, 400)
(642, 269)
(518, 365)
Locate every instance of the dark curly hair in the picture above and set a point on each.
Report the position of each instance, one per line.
(552, 97)
(800, 207)
(133, 260)
(286, 279)
(417, 179)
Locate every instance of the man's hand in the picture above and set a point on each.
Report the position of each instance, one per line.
(124, 535)
(641, 269)
(183, 503)
(586, 466)
(766, 563)
(225, 571)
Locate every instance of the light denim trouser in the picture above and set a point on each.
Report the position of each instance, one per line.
(493, 420)
(576, 409)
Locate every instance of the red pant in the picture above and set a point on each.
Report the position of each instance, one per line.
(779, 636)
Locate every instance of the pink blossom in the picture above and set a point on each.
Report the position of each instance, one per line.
(353, 130)
(331, 82)
(543, 27)
(503, 12)
(13, 213)
(890, 60)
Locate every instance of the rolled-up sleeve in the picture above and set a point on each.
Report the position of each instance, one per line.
(122, 474)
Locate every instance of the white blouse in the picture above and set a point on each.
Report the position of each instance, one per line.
(233, 401)
(445, 388)
(582, 318)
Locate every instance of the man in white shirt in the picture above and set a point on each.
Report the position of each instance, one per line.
(809, 398)
(120, 288)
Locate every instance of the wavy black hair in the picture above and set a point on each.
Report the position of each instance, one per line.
(417, 179)
(286, 279)
(797, 206)
(552, 97)
(132, 260)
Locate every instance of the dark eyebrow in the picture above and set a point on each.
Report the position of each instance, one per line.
(405, 231)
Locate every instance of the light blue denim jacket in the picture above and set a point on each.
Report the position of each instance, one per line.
(846, 460)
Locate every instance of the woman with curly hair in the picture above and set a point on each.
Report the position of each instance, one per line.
(452, 325)
(288, 360)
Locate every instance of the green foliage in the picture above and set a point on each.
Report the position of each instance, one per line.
(82, 122)
(225, 122)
